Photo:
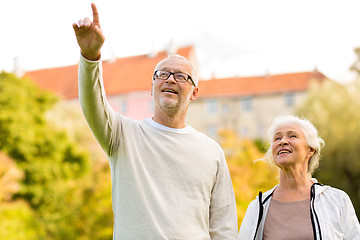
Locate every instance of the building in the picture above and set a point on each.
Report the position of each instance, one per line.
(247, 105)
(127, 81)
(242, 104)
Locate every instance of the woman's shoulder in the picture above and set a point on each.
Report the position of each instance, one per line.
(264, 197)
(326, 189)
(332, 193)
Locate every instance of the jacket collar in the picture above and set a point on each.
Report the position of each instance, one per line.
(318, 189)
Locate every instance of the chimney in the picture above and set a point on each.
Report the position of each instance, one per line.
(18, 70)
(172, 48)
(153, 52)
(267, 73)
(315, 69)
(112, 57)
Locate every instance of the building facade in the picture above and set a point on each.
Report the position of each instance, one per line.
(245, 105)
(248, 105)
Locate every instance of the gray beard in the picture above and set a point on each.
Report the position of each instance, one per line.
(169, 107)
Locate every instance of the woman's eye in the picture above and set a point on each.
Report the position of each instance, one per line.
(293, 136)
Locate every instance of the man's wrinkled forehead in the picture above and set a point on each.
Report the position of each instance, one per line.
(174, 63)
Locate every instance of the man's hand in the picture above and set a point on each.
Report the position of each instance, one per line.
(89, 36)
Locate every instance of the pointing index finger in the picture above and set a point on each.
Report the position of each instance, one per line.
(95, 14)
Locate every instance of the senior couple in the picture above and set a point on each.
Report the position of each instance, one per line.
(170, 181)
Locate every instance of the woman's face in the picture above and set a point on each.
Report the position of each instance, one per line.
(289, 147)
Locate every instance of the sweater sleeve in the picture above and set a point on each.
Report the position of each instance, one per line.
(100, 117)
(223, 214)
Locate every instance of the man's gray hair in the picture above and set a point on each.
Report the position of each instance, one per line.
(194, 74)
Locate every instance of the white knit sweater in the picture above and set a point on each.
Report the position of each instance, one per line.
(166, 183)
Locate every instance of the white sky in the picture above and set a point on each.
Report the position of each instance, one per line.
(231, 37)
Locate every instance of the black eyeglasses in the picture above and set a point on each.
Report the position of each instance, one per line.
(179, 76)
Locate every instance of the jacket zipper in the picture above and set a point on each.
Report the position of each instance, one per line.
(313, 214)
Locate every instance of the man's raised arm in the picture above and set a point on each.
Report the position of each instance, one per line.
(97, 111)
(89, 36)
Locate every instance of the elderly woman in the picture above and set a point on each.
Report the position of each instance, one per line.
(298, 207)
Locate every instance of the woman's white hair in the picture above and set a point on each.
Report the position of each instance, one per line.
(311, 135)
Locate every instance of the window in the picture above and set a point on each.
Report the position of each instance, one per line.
(225, 109)
(247, 103)
(244, 132)
(289, 99)
(261, 130)
(212, 130)
(212, 106)
(123, 106)
(151, 106)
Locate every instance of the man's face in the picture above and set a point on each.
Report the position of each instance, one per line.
(169, 95)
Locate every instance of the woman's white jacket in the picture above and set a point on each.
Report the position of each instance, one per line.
(332, 213)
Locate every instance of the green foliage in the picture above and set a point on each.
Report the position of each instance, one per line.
(334, 110)
(95, 216)
(60, 188)
(44, 155)
(22, 105)
(89, 198)
(9, 177)
(248, 175)
(19, 222)
(261, 145)
(17, 218)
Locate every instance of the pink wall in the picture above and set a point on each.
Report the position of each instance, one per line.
(135, 105)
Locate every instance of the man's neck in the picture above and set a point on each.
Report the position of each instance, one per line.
(172, 121)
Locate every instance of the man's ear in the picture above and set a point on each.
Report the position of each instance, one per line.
(194, 93)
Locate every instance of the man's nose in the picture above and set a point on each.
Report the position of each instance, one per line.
(171, 79)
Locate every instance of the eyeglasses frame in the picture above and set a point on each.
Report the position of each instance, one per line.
(173, 73)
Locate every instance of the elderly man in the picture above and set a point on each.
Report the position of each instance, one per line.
(169, 181)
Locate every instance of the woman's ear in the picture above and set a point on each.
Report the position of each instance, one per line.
(311, 152)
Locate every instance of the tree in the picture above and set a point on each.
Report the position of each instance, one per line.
(334, 109)
(91, 211)
(249, 174)
(18, 221)
(49, 161)
(9, 177)
(17, 218)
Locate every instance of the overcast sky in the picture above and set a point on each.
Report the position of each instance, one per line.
(231, 37)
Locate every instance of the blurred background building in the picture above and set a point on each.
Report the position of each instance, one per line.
(245, 105)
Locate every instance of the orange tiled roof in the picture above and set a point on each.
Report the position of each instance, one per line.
(124, 75)
(258, 85)
(120, 76)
